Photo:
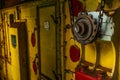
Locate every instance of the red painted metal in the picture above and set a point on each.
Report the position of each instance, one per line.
(82, 76)
(74, 53)
(35, 67)
(33, 39)
(77, 7)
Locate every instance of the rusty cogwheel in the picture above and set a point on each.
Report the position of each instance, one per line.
(85, 28)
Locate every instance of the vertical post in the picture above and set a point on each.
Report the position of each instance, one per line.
(38, 41)
(58, 40)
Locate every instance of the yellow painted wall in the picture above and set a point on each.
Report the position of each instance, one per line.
(90, 5)
(12, 62)
(28, 12)
(15, 66)
(68, 63)
(47, 42)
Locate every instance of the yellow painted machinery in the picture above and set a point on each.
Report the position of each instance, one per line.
(92, 31)
(97, 62)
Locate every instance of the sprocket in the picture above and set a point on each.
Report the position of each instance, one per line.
(85, 28)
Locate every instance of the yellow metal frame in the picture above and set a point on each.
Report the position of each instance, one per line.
(107, 55)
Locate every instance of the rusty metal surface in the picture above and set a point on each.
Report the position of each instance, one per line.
(85, 29)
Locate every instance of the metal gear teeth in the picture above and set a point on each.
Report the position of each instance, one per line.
(93, 22)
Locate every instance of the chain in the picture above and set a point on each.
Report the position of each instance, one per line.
(101, 12)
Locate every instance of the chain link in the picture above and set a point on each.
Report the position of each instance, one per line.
(101, 13)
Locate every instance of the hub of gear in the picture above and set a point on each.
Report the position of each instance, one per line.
(85, 28)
